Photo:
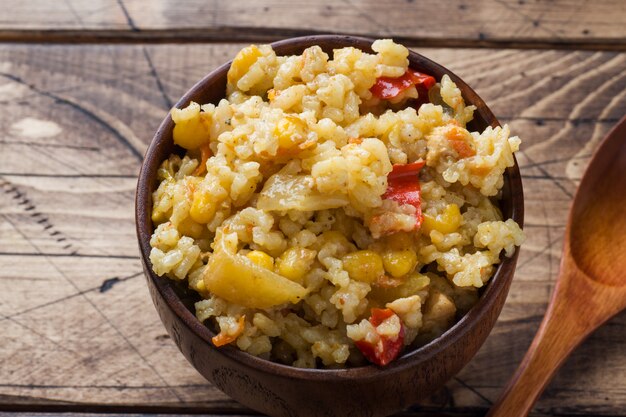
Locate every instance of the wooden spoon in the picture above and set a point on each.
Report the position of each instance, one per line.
(591, 287)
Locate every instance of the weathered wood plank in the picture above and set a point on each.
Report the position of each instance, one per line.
(77, 321)
(71, 216)
(576, 23)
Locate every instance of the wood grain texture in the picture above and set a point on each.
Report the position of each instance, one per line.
(579, 23)
(77, 321)
(591, 286)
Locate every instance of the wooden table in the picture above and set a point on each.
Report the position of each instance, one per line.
(83, 86)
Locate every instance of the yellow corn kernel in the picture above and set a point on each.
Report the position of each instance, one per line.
(242, 63)
(446, 222)
(295, 262)
(398, 241)
(189, 227)
(261, 258)
(290, 132)
(160, 216)
(399, 262)
(202, 208)
(191, 127)
(364, 266)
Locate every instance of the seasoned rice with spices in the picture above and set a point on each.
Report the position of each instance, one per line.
(332, 209)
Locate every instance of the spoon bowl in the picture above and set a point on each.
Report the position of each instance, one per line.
(598, 219)
(591, 287)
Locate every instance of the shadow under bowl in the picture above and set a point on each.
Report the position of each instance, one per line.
(281, 390)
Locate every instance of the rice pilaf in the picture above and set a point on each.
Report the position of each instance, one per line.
(331, 210)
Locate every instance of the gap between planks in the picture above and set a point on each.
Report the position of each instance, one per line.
(255, 34)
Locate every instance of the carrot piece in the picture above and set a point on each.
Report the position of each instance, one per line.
(223, 339)
(462, 148)
(205, 154)
(458, 140)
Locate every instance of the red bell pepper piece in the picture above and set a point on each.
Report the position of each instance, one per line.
(387, 349)
(403, 186)
(378, 315)
(387, 88)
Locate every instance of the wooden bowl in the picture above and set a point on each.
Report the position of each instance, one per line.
(280, 390)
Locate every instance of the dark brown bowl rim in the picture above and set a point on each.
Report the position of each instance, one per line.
(499, 282)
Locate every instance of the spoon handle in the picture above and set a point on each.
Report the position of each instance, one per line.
(563, 328)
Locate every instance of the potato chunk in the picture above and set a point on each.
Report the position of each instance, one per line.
(240, 281)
